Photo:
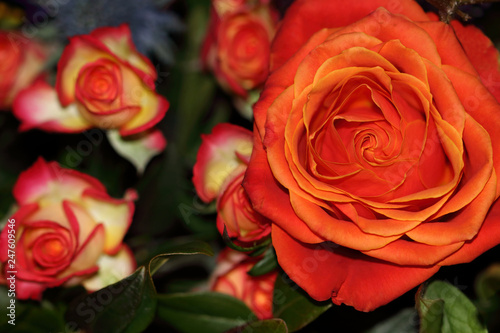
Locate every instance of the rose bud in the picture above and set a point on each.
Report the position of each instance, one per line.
(65, 228)
(377, 148)
(218, 173)
(230, 277)
(102, 81)
(237, 44)
(21, 61)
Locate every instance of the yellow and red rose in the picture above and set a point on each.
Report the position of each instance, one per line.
(231, 277)
(21, 61)
(219, 170)
(66, 227)
(102, 81)
(377, 148)
(237, 44)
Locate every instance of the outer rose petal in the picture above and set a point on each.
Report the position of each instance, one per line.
(346, 276)
(38, 107)
(219, 155)
(38, 182)
(486, 238)
(138, 149)
(299, 26)
(482, 53)
(29, 290)
(111, 269)
(275, 207)
(115, 214)
(152, 105)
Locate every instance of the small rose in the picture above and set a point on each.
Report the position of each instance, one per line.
(230, 277)
(21, 61)
(102, 81)
(237, 44)
(64, 226)
(218, 173)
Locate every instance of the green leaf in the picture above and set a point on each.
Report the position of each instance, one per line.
(207, 312)
(403, 322)
(445, 309)
(294, 306)
(126, 306)
(195, 247)
(267, 264)
(262, 326)
(129, 305)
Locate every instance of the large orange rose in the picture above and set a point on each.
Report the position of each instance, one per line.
(376, 148)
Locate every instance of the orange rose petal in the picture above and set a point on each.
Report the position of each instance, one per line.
(344, 233)
(445, 97)
(481, 105)
(487, 237)
(314, 65)
(297, 182)
(482, 53)
(449, 48)
(405, 59)
(464, 226)
(479, 49)
(433, 165)
(276, 207)
(478, 167)
(347, 277)
(283, 78)
(376, 226)
(475, 195)
(300, 27)
(403, 252)
(452, 145)
(387, 26)
(274, 142)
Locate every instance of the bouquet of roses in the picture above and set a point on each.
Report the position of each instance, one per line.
(330, 164)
